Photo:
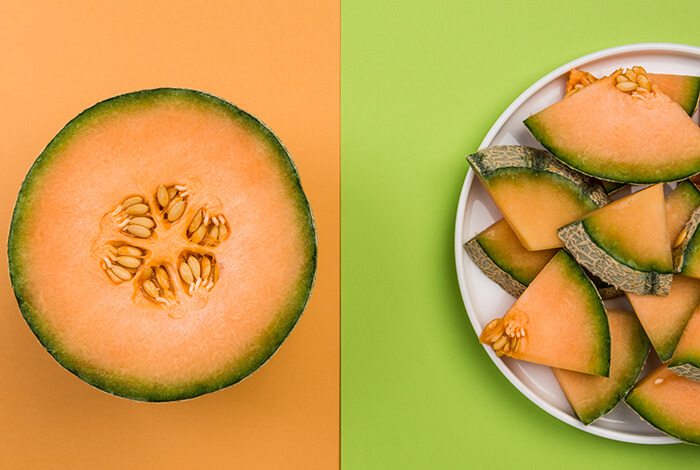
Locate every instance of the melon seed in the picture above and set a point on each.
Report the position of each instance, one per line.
(137, 209)
(120, 272)
(680, 238)
(206, 267)
(131, 201)
(113, 276)
(195, 223)
(198, 235)
(128, 261)
(194, 266)
(223, 232)
(172, 192)
(138, 231)
(143, 222)
(176, 211)
(214, 232)
(129, 250)
(162, 196)
(626, 86)
(162, 277)
(150, 288)
(186, 273)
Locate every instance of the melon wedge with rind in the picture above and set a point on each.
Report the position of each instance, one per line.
(625, 243)
(686, 357)
(559, 321)
(590, 396)
(668, 402)
(686, 250)
(500, 256)
(521, 180)
(608, 134)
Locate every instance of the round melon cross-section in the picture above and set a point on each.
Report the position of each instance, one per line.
(162, 246)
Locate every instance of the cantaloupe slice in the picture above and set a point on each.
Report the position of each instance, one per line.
(161, 245)
(686, 357)
(559, 321)
(590, 396)
(665, 317)
(683, 89)
(522, 180)
(500, 256)
(630, 133)
(626, 243)
(668, 402)
(686, 248)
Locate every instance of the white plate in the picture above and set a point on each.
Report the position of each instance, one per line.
(484, 300)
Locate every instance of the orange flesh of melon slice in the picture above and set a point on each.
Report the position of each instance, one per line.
(590, 396)
(634, 230)
(609, 134)
(665, 317)
(668, 402)
(562, 321)
(109, 331)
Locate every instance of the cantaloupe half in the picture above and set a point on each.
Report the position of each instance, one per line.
(503, 259)
(626, 243)
(559, 321)
(590, 396)
(522, 180)
(665, 317)
(668, 402)
(630, 133)
(161, 246)
(683, 89)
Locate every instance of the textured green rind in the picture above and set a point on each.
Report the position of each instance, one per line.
(596, 310)
(130, 387)
(686, 255)
(657, 417)
(688, 367)
(489, 161)
(638, 175)
(492, 270)
(640, 351)
(600, 263)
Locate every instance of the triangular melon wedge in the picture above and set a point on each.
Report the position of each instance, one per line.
(633, 134)
(591, 397)
(503, 259)
(668, 402)
(683, 89)
(626, 243)
(686, 357)
(686, 248)
(523, 180)
(559, 321)
(665, 317)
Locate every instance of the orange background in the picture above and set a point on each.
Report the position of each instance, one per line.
(278, 60)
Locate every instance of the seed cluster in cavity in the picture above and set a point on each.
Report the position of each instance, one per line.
(634, 82)
(504, 336)
(138, 219)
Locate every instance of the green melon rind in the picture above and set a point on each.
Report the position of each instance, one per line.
(490, 160)
(492, 270)
(635, 176)
(641, 348)
(690, 100)
(656, 417)
(130, 387)
(687, 253)
(599, 262)
(688, 367)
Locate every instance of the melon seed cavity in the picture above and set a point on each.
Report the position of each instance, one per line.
(139, 218)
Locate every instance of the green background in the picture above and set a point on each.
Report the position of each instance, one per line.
(421, 84)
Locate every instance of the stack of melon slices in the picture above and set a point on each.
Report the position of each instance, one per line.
(564, 245)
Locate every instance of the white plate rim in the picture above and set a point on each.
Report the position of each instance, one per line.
(459, 234)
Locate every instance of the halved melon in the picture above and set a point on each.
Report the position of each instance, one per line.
(665, 317)
(559, 321)
(522, 180)
(161, 246)
(668, 402)
(626, 243)
(590, 396)
(500, 256)
(686, 357)
(636, 134)
(683, 89)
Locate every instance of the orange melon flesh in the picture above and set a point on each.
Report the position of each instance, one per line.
(665, 317)
(561, 319)
(668, 402)
(109, 334)
(634, 230)
(590, 396)
(609, 134)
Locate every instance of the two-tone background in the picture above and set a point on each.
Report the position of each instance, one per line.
(378, 102)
